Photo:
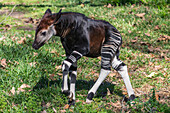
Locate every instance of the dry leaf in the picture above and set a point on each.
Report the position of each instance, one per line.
(109, 6)
(12, 90)
(140, 15)
(29, 35)
(147, 34)
(3, 62)
(157, 97)
(151, 75)
(130, 31)
(16, 62)
(112, 74)
(117, 104)
(35, 54)
(55, 111)
(2, 38)
(32, 64)
(82, 5)
(58, 67)
(21, 88)
(99, 58)
(163, 38)
(22, 41)
(63, 111)
(157, 27)
(108, 92)
(67, 106)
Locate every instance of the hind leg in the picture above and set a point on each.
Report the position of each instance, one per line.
(121, 68)
(106, 58)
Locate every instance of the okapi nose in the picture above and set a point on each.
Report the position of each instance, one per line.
(34, 45)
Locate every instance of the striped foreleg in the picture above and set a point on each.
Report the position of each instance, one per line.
(66, 66)
(72, 76)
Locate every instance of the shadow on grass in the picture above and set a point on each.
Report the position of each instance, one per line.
(81, 85)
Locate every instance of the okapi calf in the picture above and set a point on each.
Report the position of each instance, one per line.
(82, 36)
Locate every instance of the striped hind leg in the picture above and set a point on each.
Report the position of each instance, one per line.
(121, 68)
(107, 53)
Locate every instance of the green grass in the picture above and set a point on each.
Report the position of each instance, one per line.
(141, 51)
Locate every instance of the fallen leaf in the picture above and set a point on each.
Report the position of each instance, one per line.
(163, 38)
(55, 111)
(3, 62)
(109, 6)
(151, 75)
(108, 92)
(82, 5)
(35, 54)
(112, 74)
(32, 64)
(48, 105)
(22, 41)
(117, 104)
(157, 27)
(29, 35)
(130, 31)
(58, 67)
(67, 106)
(99, 58)
(12, 90)
(147, 34)
(2, 38)
(21, 88)
(157, 97)
(62, 111)
(16, 62)
(140, 15)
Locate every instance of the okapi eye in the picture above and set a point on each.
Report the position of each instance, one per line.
(43, 33)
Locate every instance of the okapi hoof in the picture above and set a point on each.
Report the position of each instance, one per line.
(131, 98)
(66, 92)
(90, 98)
(71, 102)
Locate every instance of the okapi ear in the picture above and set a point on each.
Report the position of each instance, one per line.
(47, 13)
(57, 16)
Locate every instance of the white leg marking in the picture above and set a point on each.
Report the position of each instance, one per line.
(102, 76)
(124, 73)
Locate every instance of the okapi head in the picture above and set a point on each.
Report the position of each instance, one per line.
(46, 29)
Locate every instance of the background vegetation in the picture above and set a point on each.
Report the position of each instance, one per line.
(30, 81)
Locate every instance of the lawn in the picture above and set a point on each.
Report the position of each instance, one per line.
(30, 80)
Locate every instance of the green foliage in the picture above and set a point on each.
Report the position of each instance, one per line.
(3, 101)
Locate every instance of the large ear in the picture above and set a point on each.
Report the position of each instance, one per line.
(58, 15)
(47, 13)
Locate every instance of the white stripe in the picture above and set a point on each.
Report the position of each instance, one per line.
(78, 53)
(68, 63)
(116, 33)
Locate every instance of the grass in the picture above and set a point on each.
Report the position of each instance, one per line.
(145, 50)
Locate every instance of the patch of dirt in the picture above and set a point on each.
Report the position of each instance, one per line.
(20, 16)
(17, 15)
(26, 28)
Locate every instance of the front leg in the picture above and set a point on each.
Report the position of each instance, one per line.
(69, 62)
(72, 76)
(65, 68)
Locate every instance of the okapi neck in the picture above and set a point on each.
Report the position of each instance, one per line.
(64, 26)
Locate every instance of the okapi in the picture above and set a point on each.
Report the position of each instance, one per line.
(82, 36)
